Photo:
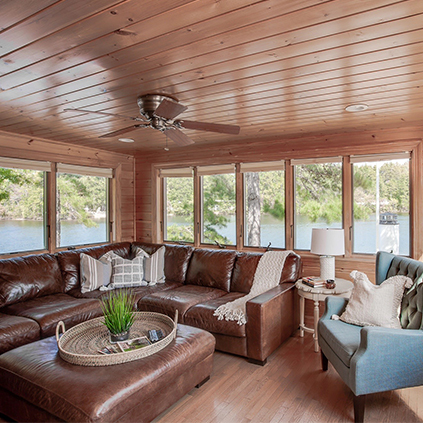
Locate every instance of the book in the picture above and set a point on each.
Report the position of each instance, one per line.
(314, 282)
(134, 344)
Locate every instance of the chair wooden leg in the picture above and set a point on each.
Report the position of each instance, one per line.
(359, 404)
(324, 361)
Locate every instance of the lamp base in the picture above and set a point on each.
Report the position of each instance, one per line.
(327, 267)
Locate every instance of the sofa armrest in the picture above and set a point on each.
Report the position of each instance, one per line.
(270, 320)
(334, 305)
(387, 359)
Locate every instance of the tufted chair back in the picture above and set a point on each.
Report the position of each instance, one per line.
(388, 265)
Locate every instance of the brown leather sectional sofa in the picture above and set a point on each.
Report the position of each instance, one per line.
(39, 290)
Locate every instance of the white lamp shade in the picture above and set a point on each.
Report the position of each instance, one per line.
(328, 242)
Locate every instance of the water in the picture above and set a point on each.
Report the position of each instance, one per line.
(28, 235)
(273, 230)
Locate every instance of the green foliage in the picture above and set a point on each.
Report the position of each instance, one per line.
(180, 233)
(118, 311)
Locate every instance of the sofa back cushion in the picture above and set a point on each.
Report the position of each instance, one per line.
(245, 268)
(25, 278)
(70, 265)
(176, 261)
(212, 268)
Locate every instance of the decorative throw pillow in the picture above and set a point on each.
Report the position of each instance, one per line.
(375, 305)
(154, 267)
(127, 273)
(94, 273)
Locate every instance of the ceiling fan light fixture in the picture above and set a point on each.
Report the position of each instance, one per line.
(126, 140)
(359, 107)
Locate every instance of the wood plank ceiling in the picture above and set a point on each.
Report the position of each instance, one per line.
(276, 68)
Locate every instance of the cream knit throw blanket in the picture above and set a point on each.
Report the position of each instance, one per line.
(267, 276)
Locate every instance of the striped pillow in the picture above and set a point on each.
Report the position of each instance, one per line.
(94, 273)
(127, 273)
(154, 267)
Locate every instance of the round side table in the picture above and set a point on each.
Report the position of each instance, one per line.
(342, 289)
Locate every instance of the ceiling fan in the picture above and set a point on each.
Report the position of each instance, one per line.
(159, 111)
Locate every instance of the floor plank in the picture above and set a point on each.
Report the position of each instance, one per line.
(290, 388)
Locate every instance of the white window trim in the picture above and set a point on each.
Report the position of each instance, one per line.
(262, 167)
(380, 157)
(11, 163)
(85, 170)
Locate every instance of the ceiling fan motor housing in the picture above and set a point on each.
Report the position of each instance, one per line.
(149, 103)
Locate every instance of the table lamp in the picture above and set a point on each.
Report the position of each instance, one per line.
(327, 243)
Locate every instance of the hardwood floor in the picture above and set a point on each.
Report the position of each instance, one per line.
(290, 388)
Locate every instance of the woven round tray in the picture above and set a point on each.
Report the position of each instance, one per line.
(80, 344)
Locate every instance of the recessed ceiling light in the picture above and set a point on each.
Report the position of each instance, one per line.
(356, 107)
(126, 140)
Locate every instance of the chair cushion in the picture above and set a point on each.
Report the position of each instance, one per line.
(181, 299)
(16, 331)
(343, 338)
(201, 316)
(412, 306)
(49, 310)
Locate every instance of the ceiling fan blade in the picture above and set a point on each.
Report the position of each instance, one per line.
(105, 114)
(169, 109)
(210, 127)
(178, 136)
(122, 131)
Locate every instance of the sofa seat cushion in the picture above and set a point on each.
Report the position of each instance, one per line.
(16, 331)
(49, 310)
(70, 265)
(25, 278)
(181, 299)
(343, 338)
(201, 316)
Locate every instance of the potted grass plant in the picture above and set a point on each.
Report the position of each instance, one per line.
(118, 311)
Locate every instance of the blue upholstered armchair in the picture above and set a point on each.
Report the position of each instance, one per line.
(374, 359)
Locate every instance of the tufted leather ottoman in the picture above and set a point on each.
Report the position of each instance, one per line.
(36, 385)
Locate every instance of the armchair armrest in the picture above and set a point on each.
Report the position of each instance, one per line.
(387, 359)
(334, 305)
(270, 320)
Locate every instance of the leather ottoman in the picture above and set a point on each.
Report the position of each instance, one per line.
(36, 385)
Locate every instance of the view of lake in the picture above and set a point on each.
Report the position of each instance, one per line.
(273, 230)
(27, 235)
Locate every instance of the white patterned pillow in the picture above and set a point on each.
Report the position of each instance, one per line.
(94, 273)
(375, 305)
(154, 267)
(127, 273)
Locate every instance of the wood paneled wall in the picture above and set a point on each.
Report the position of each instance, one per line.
(24, 147)
(369, 142)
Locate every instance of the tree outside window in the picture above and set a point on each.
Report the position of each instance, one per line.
(318, 198)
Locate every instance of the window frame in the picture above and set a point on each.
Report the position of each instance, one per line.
(49, 207)
(415, 151)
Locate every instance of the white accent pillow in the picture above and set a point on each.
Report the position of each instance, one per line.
(94, 273)
(375, 305)
(154, 267)
(127, 273)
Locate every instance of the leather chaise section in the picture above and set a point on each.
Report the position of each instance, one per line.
(181, 299)
(201, 316)
(49, 310)
(16, 331)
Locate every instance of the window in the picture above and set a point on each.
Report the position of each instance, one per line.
(218, 204)
(178, 205)
(22, 205)
(318, 197)
(82, 205)
(381, 201)
(264, 204)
